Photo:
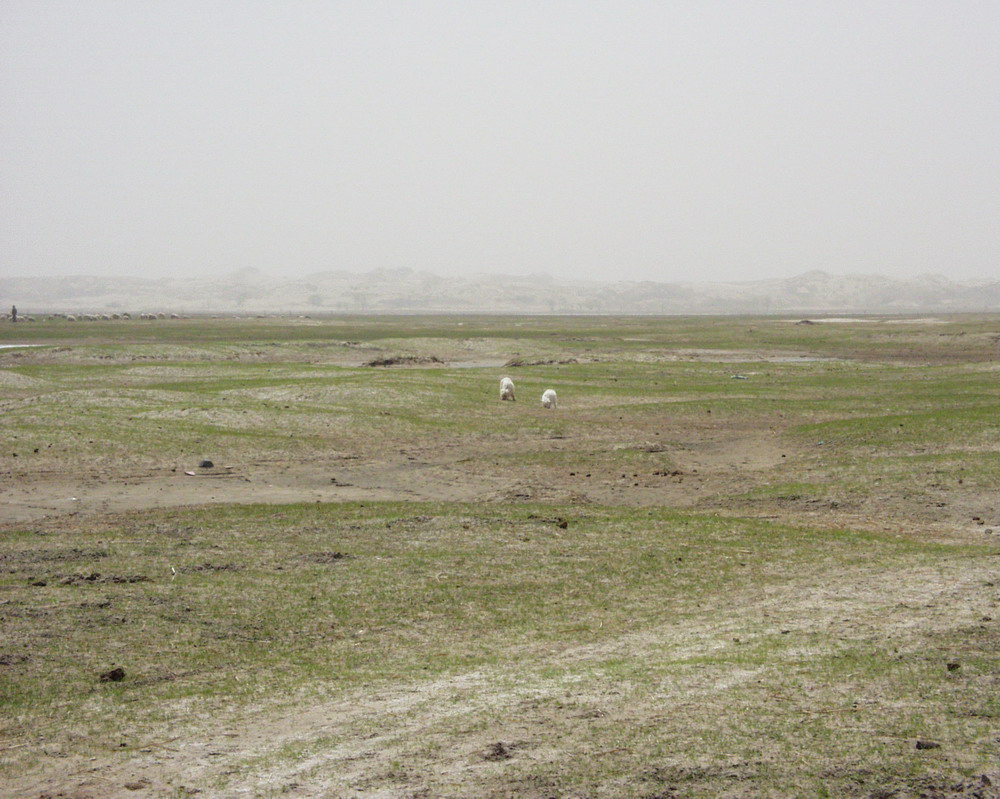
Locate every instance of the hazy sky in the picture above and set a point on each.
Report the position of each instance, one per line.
(666, 140)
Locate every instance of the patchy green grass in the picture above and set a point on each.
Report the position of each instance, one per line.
(618, 648)
(250, 604)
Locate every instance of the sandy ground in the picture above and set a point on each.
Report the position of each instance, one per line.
(365, 736)
(447, 473)
(706, 472)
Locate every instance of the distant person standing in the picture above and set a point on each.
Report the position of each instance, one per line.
(13, 313)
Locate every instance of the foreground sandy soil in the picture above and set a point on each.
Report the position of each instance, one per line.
(400, 742)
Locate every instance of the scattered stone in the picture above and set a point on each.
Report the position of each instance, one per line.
(206, 464)
(928, 745)
(115, 675)
(40, 583)
(954, 666)
(562, 524)
(138, 785)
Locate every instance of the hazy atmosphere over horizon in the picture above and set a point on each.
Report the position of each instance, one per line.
(603, 140)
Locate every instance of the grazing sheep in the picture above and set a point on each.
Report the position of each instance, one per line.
(549, 398)
(506, 389)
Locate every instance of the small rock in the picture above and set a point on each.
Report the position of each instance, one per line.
(115, 675)
(206, 464)
(954, 666)
(928, 745)
(563, 524)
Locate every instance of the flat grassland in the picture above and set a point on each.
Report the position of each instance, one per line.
(745, 557)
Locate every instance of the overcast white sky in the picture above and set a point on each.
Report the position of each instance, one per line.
(642, 140)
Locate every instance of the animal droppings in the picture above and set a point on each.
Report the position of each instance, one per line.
(498, 751)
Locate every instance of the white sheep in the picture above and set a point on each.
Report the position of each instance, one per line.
(506, 389)
(549, 398)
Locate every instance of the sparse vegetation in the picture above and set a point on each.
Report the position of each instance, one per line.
(390, 583)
